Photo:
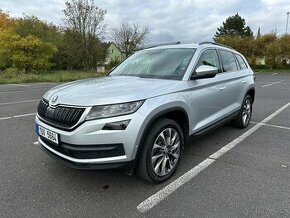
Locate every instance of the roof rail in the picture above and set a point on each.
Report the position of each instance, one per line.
(162, 44)
(215, 43)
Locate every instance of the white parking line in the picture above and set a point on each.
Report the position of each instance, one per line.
(17, 85)
(271, 125)
(270, 84)
(24, 115)
(8, 92)
(19, 102)
(159, 196)
(5, 118)
(274, 74)
(17, 116)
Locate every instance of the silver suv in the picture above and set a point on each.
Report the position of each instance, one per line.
(141, 114)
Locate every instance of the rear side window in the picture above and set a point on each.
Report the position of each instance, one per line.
(210, 58)
(228, 61)
(241, 61)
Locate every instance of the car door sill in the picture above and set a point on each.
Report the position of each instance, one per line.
(216, 124)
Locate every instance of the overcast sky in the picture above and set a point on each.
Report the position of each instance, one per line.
(169, 20)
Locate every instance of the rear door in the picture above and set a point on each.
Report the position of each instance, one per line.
(235, 76)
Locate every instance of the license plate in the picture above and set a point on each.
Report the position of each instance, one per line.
(49, 135)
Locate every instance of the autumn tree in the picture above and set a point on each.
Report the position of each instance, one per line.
(7, 38)
(284, 47)
(233, 26)
(31, 53)
(4, 19)
(31, 25)
(87, 19)
(128, 37)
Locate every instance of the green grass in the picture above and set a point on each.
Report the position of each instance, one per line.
(52, 76)
(272, 70)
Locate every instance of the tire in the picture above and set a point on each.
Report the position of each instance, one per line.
(245, 114)
(160, 156)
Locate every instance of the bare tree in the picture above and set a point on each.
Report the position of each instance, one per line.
(84, 17)
(128, 38)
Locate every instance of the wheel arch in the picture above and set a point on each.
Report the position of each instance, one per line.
(251, 92)
(176, 113)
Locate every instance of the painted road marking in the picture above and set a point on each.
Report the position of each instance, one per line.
(274, 74)
(5, 118)
(19, 102)
(17, 116)
(272, 125)
(18, 85)
(159, 196)
(270, 84)
(24, 115)
(8, 92)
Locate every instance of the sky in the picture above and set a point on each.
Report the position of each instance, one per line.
(188, 21)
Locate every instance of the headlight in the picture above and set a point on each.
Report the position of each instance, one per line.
(105, 111)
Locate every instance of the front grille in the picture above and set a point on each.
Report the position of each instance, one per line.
(87, 151)
(60, 116)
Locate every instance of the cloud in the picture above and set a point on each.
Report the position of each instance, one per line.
(169, 20)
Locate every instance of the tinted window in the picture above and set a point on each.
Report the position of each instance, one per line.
(209, 57)
(241, 62)
(228, 61)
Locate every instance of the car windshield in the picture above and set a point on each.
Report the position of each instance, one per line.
(170, 63)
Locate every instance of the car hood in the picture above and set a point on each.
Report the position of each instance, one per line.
(111, 90)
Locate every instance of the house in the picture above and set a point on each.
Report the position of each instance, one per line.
(114, 53)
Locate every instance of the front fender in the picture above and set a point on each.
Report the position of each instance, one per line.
(152, 109)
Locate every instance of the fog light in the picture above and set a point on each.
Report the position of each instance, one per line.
(120, 125)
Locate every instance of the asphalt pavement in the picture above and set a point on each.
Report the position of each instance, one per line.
(226, 173)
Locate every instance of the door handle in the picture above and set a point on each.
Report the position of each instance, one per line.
(244, 81)
(223, 88)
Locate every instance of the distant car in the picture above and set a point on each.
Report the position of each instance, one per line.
(141, 114)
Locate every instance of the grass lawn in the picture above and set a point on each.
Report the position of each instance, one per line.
(272, 71)
(53, 76)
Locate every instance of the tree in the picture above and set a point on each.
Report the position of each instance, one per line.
(128, 38)
(84, 17)
(233, 26)
(284, 45)
(31, 25)
(259, 33)
(7, 38)
(69, 55)
(31, 53)
(4, 19)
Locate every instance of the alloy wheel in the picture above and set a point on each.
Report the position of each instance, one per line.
(165, 151)
(247, 110)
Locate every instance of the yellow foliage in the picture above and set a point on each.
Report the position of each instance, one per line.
(4, 19)
(32, 53)
(27, 53)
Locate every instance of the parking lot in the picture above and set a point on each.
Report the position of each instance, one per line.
(225, 173)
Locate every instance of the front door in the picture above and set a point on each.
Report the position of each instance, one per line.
(208, 96)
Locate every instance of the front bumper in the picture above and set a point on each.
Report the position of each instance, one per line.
(92, 164)
(91, 147)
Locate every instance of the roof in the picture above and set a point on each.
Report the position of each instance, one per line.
(200, 45)
(112, 43)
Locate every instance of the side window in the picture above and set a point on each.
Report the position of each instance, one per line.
(228, 61)
(209, 57)
(241, 61)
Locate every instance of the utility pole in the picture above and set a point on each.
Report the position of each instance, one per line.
(287, 22)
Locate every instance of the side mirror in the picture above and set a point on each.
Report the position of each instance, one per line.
(205, 71)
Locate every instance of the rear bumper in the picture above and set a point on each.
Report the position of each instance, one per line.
(93, 164)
